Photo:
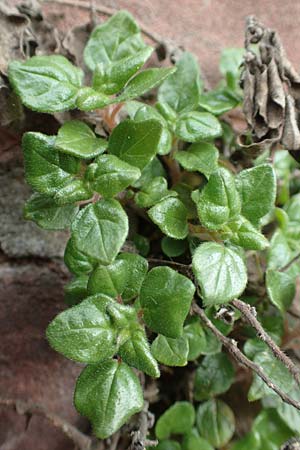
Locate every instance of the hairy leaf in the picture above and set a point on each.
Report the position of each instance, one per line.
(197, 126)
(108, 394)
(169, 351)
(170, 215)
(137, 267)
(220, 272)
(166, 294)
(201, 157)
(153, 192)
(178, 419)
(108, 280)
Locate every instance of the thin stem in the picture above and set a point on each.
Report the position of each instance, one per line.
(290, 263)
(170, 263)
(232, 347)
(249, 314)
(82, 441)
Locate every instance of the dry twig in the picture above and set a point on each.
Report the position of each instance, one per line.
(232, 347)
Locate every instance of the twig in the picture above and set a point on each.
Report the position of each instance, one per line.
(232, 347)
(290, 263)
(171, 263)
(139, 437)
(82, 441)
(107, 12)
(249, 314)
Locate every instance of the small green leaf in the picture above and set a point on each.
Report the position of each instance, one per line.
(196, 339)
(273, 368)
(153, 192)
(136, 352)
(166, 294)
(112, 79)
(51, 172)
(84, 333)
(100, 230)
(230, 65)
(77, 139)
(76, 290)
(181, 91)
(136, 267)
(289, 414)
(201, 157)
(76, 261)
(153, 169)
(141, 243)
(218, 102)
(219, 201)
(192, 441)
(279, 253)
(109, 175)
(42, 210)
(143, 82)
(214, 376)
(108, 394)
(89, 99)
(197, 126)
(281, 289)
(167, 444)
(251, 440)
(135, 142)
(146, 112)
(173, 247)
(257, 188)
(220, 272)
(215, 422)
(271, 429)
(178, 419)
(246, 235)
(113, 42)
(170, 215)
(108, 280)
(46, 83)
(170, 352)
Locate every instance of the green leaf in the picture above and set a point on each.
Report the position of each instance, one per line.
(246, 235)
(192, 441)
(220, 272)
(219, 201)
(171, 352)
(257, 188)
(76, 261)
(153, 169)
(51, 172)
(137, 267)
(76, 290)
(289, 414)
(279, 253)
(178, 419)
(146, 112)
(167, 445)
(112, 79)
(281, 289)
(271, 430)
(215, 422)
(214, 376)
(108, 280)
(110, 175)
(143, 82)
(108, 394)
(89, 99)
(196, 339)
(100, 230)
(166, 294)
(251, 440)
(275, 370)
(170, 215)
(135, 142)
(46, 83)
(197, 126)
(173, 247)
(199, 157)
(181, 91)
(42, 210)
(77, 139)
(136, 352)
(113, 42)
(141, 243)
(153, 192)
(230, 65)
(84, 333)
(218, 102)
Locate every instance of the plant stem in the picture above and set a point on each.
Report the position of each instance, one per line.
(249, 314)
(290, 263)
(232, 347)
